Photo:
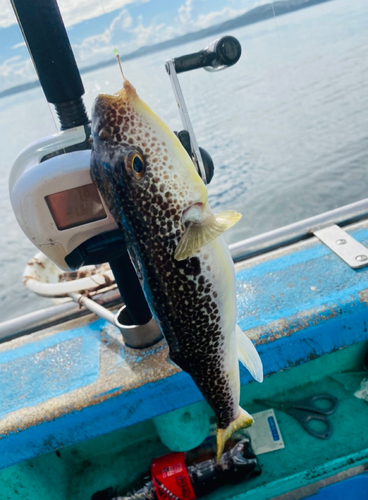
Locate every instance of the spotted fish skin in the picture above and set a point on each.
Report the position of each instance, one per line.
(193, 300)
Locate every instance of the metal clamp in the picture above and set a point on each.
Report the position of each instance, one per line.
(344, 246)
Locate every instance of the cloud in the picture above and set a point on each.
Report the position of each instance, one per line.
(19, 45)
(15, 71)
(123, 20)
(7, 17)
(185, 11)
(127, 22)
(126, 35)
(100, 46)
(216, 17)
(151, 33)
(189, 18)
(129, 36)
(73, 12)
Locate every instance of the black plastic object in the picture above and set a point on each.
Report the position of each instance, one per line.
(110, 247)
(106, 494)
(47, 41)
(223, 52)
(130, 289)
(238, 463)
(365, 361)
(97, 250)
(209, 167)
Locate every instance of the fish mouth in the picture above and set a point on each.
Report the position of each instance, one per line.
(104, 100)
(124, 95)
(194, 213)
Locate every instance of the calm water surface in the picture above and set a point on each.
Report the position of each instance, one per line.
(287, 126)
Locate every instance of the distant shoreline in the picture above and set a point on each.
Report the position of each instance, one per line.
(261, 13)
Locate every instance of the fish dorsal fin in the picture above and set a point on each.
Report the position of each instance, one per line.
(248, 355)
(198, 235)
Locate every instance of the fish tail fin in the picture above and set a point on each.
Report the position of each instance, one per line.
(248, 355)
(222, 435)
(199, 234)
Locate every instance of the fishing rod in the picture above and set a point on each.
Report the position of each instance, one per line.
(45, 36)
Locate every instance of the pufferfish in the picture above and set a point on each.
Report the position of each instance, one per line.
(153, 190)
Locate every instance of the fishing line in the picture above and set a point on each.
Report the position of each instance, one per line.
(115, 50)
(57, 128)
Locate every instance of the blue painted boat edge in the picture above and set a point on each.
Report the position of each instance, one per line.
(113, 413)
(36, 371)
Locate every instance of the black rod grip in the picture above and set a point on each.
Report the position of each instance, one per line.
(130, 289)
(48, 43)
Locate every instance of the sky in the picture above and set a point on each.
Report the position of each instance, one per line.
(95, 27)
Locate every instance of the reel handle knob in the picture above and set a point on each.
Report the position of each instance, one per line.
(220, 54)
(227, 50)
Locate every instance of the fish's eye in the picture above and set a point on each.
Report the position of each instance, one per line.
(136, 163)
(104, 134)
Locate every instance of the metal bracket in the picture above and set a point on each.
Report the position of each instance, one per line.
(345, 246)
(187, 124)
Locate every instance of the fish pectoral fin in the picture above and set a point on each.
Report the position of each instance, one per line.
(222, 435)
(248, 355)
(198, 235)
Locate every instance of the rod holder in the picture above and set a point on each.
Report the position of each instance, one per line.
(137, 336)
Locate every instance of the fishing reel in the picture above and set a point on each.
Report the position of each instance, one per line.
(207, 162)
(219, 55)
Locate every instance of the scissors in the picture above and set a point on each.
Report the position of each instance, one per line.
(307, 411)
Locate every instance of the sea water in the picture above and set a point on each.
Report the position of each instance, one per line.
(287, 127)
